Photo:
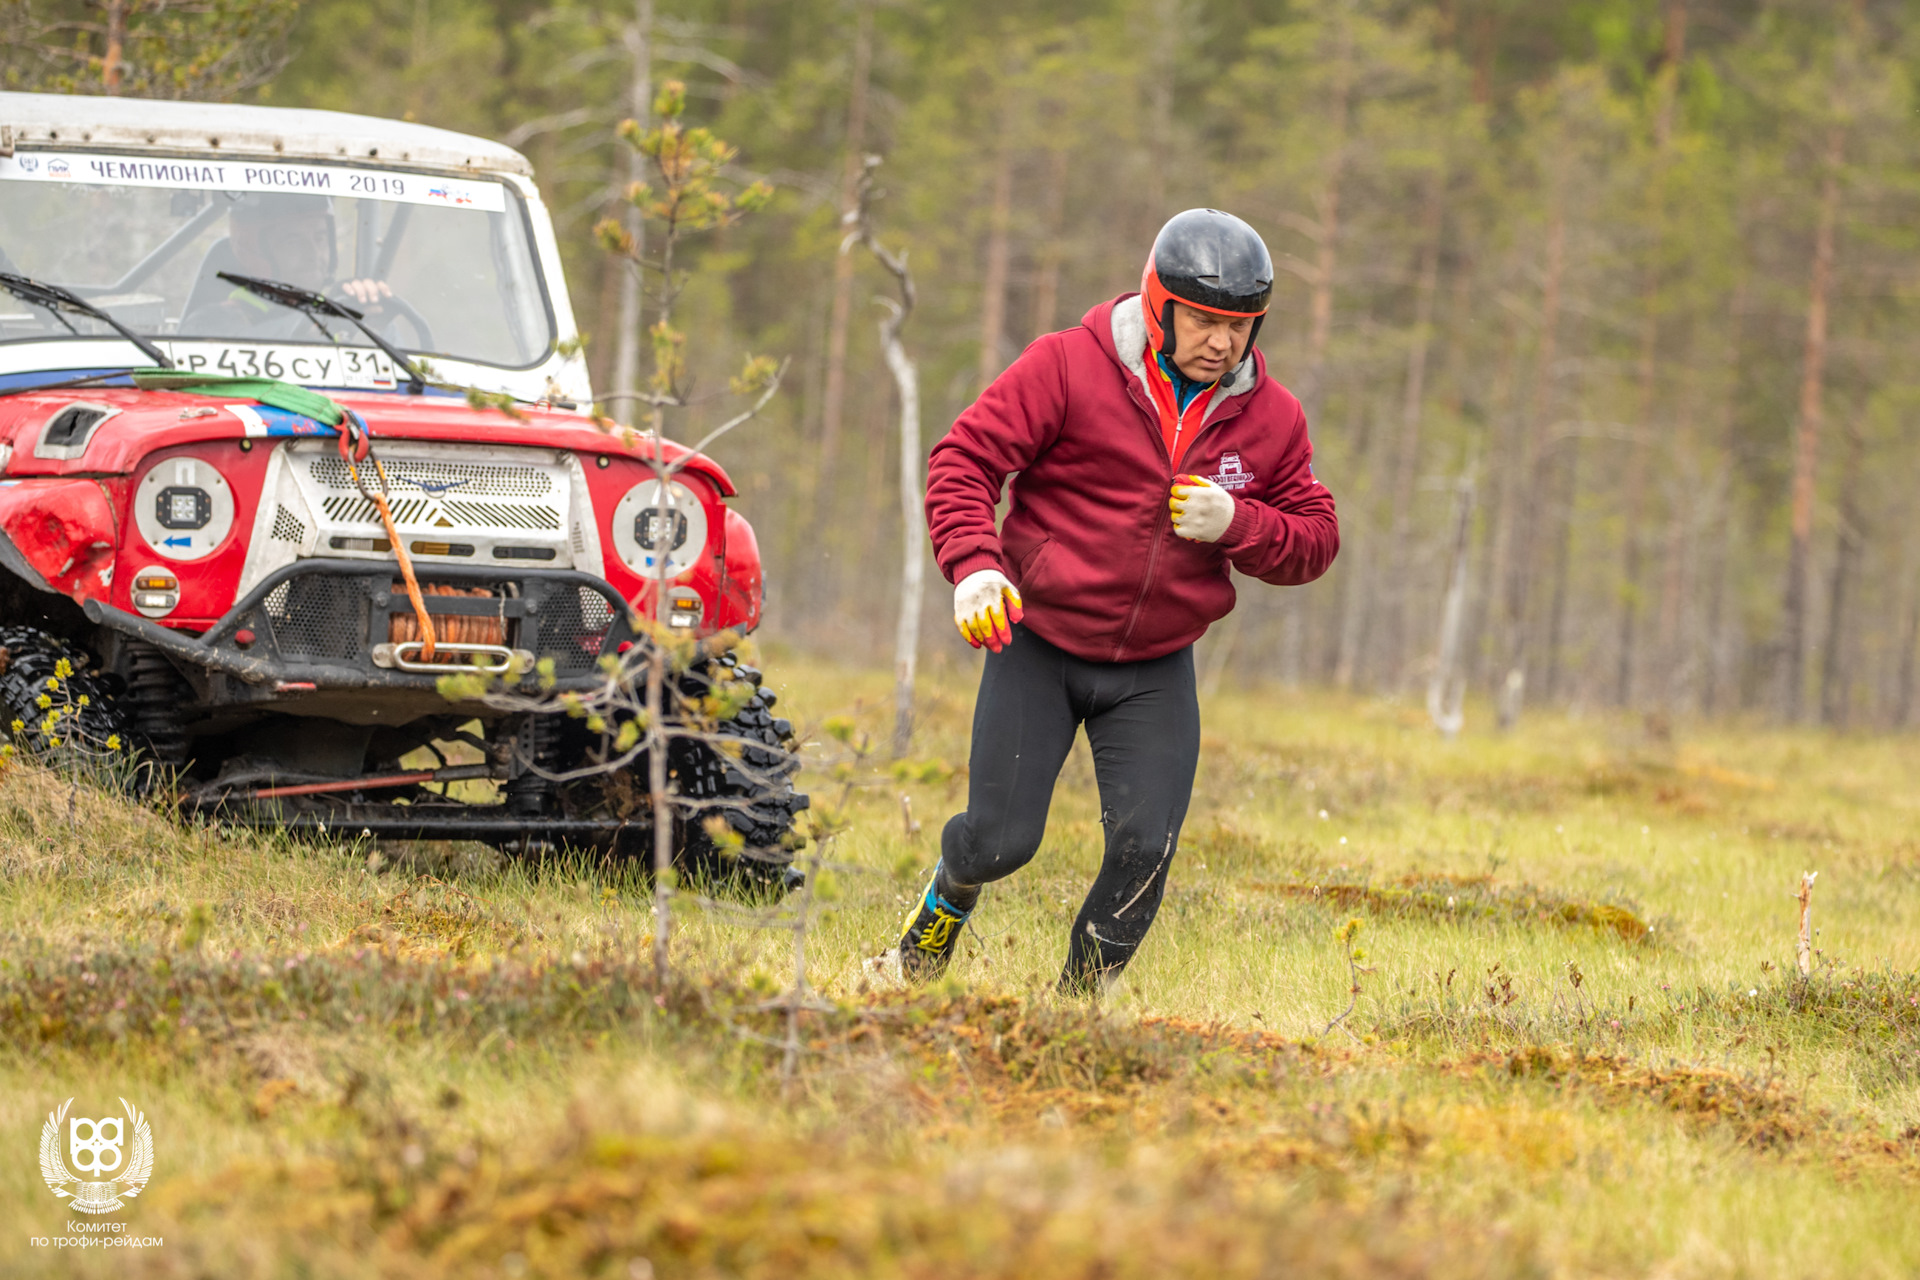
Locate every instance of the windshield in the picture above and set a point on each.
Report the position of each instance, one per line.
(440, 266)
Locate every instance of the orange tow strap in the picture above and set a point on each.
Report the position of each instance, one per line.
(356, 444)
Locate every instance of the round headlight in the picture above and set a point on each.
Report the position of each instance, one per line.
(184, 508)
(645, 527)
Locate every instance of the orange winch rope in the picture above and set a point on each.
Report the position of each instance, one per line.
(406, 563)
(379, 501)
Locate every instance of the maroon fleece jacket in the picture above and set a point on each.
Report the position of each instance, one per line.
(1088, 536)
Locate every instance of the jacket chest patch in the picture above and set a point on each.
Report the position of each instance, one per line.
(1233, 474)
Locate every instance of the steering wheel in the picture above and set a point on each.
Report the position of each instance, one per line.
(399, 309)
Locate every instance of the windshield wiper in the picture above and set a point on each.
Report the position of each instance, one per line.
(57, 300)
(307, 302)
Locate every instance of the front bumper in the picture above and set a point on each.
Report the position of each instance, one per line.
(314, 625)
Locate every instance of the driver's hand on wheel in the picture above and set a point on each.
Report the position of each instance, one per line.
(1202, 510)
(985, 607)
(368, 293)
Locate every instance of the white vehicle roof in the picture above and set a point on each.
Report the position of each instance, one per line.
(145, 124)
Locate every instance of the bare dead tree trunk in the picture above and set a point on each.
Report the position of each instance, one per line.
(840, 319)
(1406, 466)
(1835, 678)
(1532, 462)
(626, 351)
(1806, 449)
(1636, 476)
(993, 303)
(913, 525)
(913, 552)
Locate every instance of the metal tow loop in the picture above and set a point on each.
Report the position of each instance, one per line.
(356, 445)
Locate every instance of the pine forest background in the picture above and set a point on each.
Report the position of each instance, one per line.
(1628, 286)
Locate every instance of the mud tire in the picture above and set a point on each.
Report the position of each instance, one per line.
(755, 789)
(80, 732)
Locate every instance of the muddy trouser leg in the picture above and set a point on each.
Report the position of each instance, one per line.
(1143, 722)
(1023, 726)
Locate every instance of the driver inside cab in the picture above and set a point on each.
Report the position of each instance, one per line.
(288, 239)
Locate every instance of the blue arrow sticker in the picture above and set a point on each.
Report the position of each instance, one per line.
(182, 540)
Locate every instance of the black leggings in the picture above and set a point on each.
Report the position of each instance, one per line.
(1143, 722)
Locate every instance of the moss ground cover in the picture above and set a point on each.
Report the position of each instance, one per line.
(1579, 1045)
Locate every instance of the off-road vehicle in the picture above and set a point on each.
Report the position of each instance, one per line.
(228, 337)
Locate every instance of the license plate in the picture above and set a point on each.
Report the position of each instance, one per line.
(313, 366)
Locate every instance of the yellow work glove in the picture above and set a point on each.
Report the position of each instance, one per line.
(1202, 510)
(985, 607)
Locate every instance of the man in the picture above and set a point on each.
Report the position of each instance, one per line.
(1152, 453)
(289, 239)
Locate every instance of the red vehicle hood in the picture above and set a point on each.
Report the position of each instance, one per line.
(147, 420)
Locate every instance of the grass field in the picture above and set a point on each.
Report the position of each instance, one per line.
(1579, 1047)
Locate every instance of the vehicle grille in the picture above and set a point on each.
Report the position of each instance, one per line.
(289, 527)
(320, 618)
(473, 495)
(573, 636)
(333, 618)
(503, 515)
(472, 479)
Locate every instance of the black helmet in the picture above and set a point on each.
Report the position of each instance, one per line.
(1210, 260)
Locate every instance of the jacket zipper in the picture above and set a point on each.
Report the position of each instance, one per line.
(1159, 528)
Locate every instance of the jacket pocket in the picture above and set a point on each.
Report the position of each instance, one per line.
(1031, 566)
